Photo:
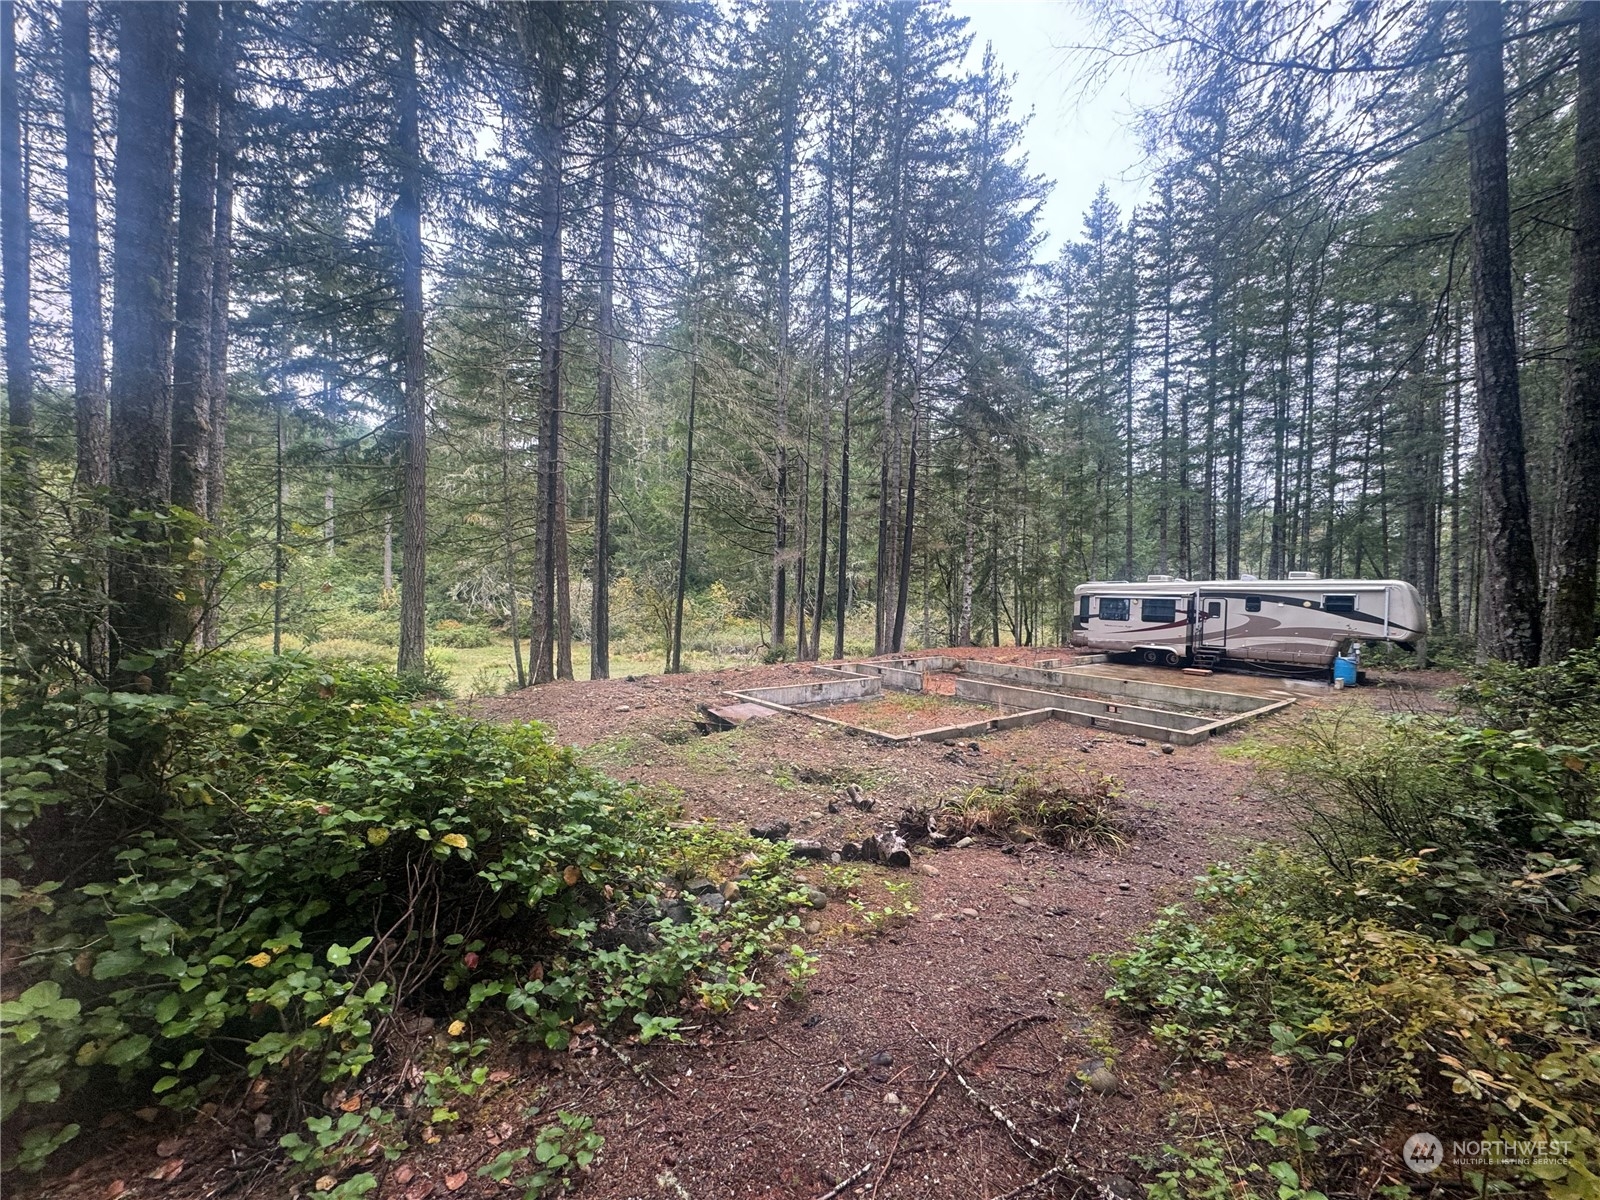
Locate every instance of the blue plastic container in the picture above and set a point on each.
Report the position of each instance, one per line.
(1344, 671)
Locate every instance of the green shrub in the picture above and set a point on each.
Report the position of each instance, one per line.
(462, 637)
(367, 654)
(1439, 936)
(330, 857)
(1559, 703)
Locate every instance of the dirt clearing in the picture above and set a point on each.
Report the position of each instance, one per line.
(792, 1096)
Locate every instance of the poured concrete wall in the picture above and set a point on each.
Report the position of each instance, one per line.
(1161, 693)
(1182, 729)
(833, 691)
(1069, 679)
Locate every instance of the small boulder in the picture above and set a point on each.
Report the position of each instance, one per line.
(1167, 747)
(771, 831)
(699, 886)
(965, 842)
(815, 896)
(712, 902)
(807, 848)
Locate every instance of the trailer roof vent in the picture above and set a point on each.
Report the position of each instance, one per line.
(1158, 578)
(1304, 575)
(1247, 578)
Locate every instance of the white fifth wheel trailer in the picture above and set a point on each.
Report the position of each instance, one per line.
(1301, 620)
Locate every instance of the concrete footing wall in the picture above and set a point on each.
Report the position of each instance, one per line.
(832, 691)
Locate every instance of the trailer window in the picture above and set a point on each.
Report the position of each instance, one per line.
(1252, 604)
(1339, 604)
(1158, 611)
(1083, 608)
(1113, 608)
(1214, 608)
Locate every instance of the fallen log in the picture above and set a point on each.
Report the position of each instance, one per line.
(892, 849)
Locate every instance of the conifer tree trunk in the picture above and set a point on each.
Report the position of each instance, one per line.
(197, 200)
(842, 571)
(83, 252)
(780, 577)
(675, 651)
(91, 425)
(548, 534)
(1569, 620)
(600, 609)
(508, 537)
(408, 233)
(827, 386)
(16, 255)
(221, 290)
(1510, 613)
(143, 616)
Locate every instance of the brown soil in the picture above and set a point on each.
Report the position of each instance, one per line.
(753, 1105)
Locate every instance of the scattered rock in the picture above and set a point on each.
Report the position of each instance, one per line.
(807, 848)
(1098, 1077)
(971, 913)
(1124, 887)
(929, 870)
(1119, 1187)
(815, 896)
(964, 843)
(263, 1124)
(699, 886)
(1167, 747)
(624, 708)
(892, 1099)
(772, 831)
(1023, 901)
(712, 901)
(812, 927)
(679, 913)
(1137, 742)
(882, 1059)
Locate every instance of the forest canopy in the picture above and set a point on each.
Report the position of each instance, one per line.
(563, 319)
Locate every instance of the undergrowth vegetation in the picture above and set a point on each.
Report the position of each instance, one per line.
(1071, 809)
(317, 866)
(1434, 940)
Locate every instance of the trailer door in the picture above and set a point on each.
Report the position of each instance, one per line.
(1213, 618)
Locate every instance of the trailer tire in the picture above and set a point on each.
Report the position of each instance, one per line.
(1171, 659)
(1150, 656)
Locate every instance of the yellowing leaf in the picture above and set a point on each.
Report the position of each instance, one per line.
(377, 835)
(259, 960)
(457, 840)
(457, 1028)
(325, 1020)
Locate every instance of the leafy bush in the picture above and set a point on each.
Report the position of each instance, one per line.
(462, 637)
(367, 654)
(1555, 703)
(331, 858)
(1440, 936)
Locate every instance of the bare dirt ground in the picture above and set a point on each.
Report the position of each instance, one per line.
(788, 1098)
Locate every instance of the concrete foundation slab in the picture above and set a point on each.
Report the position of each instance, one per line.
(1135, 707)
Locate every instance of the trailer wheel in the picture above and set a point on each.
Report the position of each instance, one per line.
(1150, 656)
(1172, 658)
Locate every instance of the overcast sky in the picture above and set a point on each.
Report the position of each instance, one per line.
(1079, 140)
